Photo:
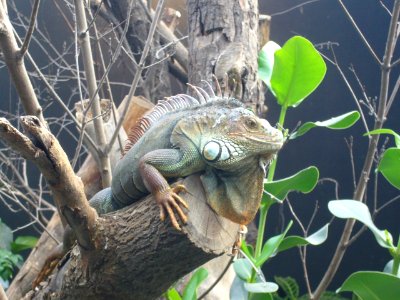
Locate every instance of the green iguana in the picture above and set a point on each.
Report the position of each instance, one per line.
(184, 135)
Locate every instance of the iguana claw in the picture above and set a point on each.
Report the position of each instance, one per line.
(169, 200)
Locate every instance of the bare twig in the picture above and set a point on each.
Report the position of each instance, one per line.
(349, 143)
(138, 74)
(359, 192)
(293, 8)
(31, 27)
(392, 95)
(365, 41)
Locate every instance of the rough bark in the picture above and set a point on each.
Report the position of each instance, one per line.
(223, 40)
(139, 256)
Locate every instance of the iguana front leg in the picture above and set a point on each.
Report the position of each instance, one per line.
(158, 164)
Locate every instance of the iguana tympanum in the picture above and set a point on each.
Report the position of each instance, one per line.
(183, 135)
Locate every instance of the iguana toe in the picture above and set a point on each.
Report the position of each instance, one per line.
(169, 201)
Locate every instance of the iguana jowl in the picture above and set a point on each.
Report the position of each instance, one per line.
(183, 136)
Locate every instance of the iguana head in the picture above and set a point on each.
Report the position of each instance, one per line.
(240, 135)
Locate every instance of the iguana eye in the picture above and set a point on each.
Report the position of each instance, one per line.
(251, 123)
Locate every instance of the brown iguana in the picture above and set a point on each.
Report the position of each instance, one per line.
(184, 135)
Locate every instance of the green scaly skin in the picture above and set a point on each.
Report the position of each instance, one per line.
(225, 141)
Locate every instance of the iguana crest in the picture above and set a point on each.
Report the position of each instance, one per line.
(170, 104)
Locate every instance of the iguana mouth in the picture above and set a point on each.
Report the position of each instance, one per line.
(272, 140)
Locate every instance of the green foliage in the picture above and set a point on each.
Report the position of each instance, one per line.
(6, 236)
(289, 287)
(22, 243)
(315, 239)
(190, 291)
(297, 70)
(389, 166)
(386, 131)
(303, 181)
(8, 262)
(271, 246)
(352, 209)
(372, 285)
(9, 249)
(340, 122)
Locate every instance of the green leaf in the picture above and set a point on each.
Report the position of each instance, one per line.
(315, 239)
(6, 236)
(271, 245)
(190, 291)
(8, 261)
(261, 287)
(303, 181)
(22, 243)
(372, 285)
(389, 166)
(298, 70)
(351, 209)
(172, 294)
(289, 287)
(237, 290)
(242, 268)
(340, 122)
(266, 62)
(386, 131)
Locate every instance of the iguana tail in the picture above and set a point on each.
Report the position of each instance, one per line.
(103, 202)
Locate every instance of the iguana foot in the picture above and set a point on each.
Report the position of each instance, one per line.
(241, 236)
(168, 200)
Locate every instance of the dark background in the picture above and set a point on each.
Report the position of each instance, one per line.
(322, 21)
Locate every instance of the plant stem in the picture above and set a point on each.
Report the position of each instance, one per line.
(272, 166)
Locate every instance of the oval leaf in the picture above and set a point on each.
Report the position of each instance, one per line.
(6, 236)
(351, 209)
(298, 70)
(303, 181)
(22, 243)
(315, 239)
(261, 287)
(237, 290)
(190, 291)
(266, 62)
(386, 131)
(389, 166)
(340, 122)
(242, 268)
(372, 285)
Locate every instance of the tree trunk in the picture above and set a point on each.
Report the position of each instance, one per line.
(223, 40)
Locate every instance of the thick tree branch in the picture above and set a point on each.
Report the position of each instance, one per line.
(16, 67)
(139, 256)
(44, 150)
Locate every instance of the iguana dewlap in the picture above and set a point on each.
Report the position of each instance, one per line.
(181, 136)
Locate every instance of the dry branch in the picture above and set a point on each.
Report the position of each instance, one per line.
(16, 66)
(44, 150)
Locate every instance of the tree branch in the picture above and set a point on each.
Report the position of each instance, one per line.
(16, 67)
(31, 27)
(92, 87)
(44, 150)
